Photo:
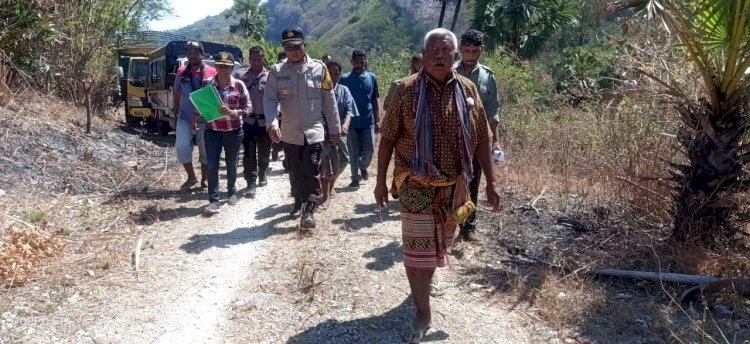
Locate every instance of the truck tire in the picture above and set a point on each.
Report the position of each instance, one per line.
(164, 128)
(152, 125)
(131, 121)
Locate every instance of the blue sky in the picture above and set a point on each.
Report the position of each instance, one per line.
(186, 12)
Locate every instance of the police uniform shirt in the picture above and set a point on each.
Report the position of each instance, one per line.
(483, 78)
(256, 85)
(304, 94)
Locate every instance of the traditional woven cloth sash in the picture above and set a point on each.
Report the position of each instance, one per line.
(423, 158)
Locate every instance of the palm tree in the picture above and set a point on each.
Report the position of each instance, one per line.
(442, 12)
(715, 38)
(455, 15)
(523, 26)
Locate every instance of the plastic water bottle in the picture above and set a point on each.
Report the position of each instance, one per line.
(498, 155)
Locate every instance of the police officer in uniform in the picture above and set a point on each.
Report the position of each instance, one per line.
(471, 47)
(302, 89)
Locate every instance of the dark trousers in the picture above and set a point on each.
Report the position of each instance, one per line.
(276, 148)
(257, 146)
(471, 222)
(230, 142)
(303, 170)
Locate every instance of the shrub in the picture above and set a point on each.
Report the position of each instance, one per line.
(589, 69)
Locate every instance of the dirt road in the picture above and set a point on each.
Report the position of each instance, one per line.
(246, 276)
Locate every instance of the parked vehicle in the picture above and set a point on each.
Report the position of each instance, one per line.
(162, 67)
(132, 68)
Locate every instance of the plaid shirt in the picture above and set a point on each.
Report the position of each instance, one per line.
(235, 97)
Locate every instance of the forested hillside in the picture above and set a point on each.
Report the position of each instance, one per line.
(210, 25)
(384, 25)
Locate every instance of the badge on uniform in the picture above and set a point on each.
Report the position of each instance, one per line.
(327, 82)
(284, 91)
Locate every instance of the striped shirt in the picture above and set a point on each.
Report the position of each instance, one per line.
(235, 97)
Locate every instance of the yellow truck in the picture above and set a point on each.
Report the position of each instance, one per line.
(133, 49)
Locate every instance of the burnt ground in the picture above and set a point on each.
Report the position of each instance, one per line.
(538, 257)
(526, 275)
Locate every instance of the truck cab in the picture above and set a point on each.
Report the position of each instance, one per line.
(133, 49)
(136, 88)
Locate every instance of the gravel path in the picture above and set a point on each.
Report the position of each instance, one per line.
(246, 276)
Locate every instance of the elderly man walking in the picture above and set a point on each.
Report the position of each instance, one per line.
(471, 47)
(435, 125)
(301, 89)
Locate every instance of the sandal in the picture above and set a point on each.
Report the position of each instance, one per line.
(188, 184)
(414, 335)
(435, 290)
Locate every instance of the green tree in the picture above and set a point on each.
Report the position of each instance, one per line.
(442, 12)
(251, 18)
(585, 68)
(25, 27)
(523, 26)
(455, 15)
(715, 38)
(83, 49)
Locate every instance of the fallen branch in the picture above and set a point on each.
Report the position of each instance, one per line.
(702, 285)
(19, 221)
(656, 276)
(738, 285)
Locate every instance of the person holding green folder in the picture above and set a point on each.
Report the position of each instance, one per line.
(225, 132)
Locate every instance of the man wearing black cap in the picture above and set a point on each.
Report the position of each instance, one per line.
(190, 78)
(256, 142)
(301, 87)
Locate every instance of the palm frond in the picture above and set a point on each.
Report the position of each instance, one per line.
(714, 33)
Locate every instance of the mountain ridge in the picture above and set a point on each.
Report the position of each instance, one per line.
(380, 25)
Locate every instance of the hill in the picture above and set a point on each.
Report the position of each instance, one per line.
(211, 25)
(340, 26)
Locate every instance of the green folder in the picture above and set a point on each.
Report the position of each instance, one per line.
(207, 101)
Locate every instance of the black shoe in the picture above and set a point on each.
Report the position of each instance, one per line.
(365, 174)
(262, 181)
(296, 210)
(307, 221)
(354, 184)
(275, 156)
(469, 235)
(250, 192)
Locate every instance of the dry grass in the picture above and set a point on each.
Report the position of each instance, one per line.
(307, 272)
(565, 302)
(79, 191)
(20, 250)
(603, 165)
